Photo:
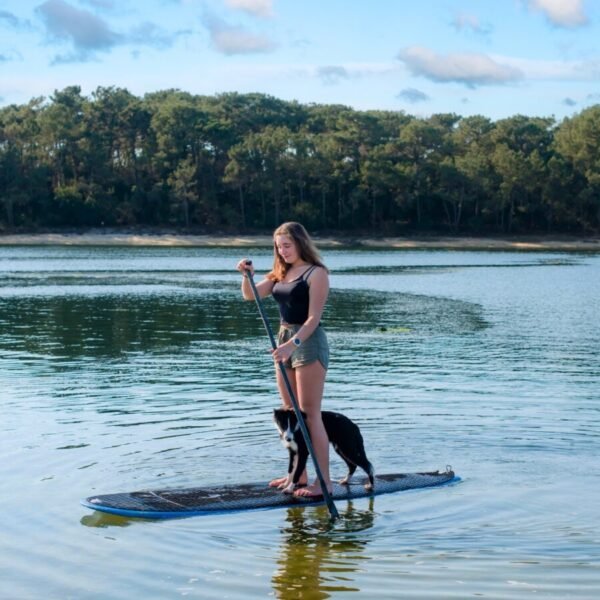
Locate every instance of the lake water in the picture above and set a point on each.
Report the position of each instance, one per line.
(132, 368)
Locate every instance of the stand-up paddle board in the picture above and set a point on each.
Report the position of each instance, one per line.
(189, 502)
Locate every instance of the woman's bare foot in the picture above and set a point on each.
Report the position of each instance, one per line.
(311, 491)
(282, 482)
(277, 482)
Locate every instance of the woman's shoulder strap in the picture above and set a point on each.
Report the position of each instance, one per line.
(308, 271)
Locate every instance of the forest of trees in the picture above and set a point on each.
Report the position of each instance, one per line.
(246, 162)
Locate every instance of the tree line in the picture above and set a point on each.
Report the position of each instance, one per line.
(246, 162)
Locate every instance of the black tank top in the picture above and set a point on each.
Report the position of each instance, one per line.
(292, 298)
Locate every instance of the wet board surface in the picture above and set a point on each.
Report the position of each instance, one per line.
(188, 502)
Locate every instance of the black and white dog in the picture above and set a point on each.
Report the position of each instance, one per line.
(343, 434)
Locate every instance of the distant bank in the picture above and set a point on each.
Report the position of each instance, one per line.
(539, 243)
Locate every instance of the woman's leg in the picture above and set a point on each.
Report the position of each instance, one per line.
(283, 391)
(287, 403)
(310, 382)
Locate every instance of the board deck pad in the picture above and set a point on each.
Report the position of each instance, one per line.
(188, 502)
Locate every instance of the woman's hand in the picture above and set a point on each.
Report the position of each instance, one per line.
(264, 287)
(282, 353)
(245, 266)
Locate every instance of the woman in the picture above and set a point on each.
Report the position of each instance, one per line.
(299, 282)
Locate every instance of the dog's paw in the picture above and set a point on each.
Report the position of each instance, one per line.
(288, 489)
(345, 481)
(369, 487)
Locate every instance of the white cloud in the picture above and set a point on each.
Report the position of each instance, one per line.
(257, 8)
(101, 4)
(562, 13)
(10, 56)
(469, 69)
(13, 22)
(231, 39)
(149, 34)
(413, 95)
(237, 41)
(468, 22)
(333, 74)
(88, 34)
(555, 70)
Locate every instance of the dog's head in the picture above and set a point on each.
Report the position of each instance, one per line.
(287, 425)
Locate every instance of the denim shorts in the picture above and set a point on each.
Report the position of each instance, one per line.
(314, 348)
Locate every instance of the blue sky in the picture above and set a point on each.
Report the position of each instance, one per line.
(491, 57)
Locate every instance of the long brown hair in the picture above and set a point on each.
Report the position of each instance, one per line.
(306, 249)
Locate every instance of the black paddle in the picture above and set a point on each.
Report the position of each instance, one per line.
(326, 495)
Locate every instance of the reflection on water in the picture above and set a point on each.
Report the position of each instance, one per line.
(78, 325)
(317, 556)
(103, 520)
(142, 368)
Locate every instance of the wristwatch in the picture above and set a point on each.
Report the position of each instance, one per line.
(296, 341)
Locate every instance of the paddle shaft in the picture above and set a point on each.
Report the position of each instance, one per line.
(326, 495)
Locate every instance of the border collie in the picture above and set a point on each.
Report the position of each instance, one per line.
(343, 434)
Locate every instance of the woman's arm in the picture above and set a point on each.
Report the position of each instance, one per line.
(264, 287)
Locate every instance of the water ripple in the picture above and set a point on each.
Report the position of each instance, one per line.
(128, 370)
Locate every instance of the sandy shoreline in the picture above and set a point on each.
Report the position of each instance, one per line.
(540, 243)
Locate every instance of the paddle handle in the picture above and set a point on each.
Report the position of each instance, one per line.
(326, 495)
